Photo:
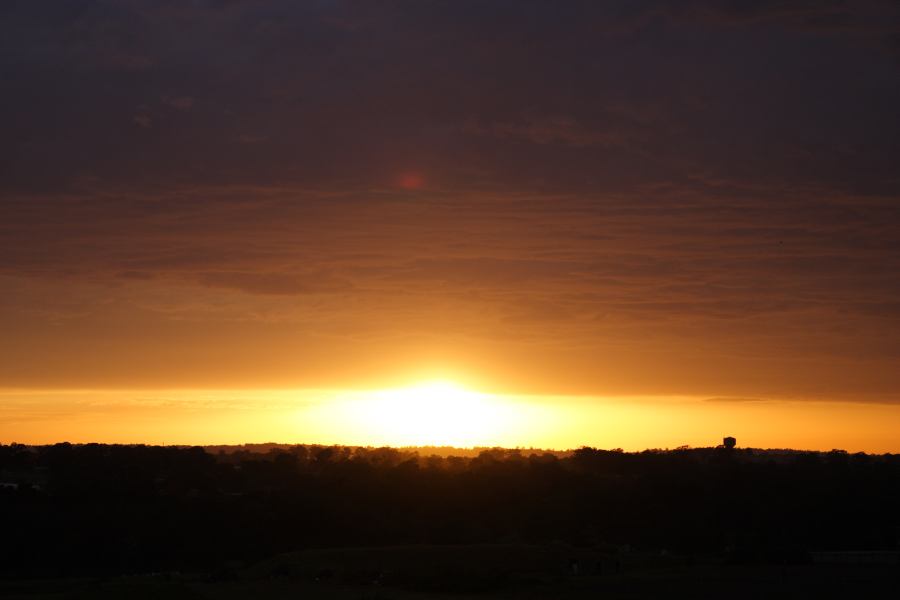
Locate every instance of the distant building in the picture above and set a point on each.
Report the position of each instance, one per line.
(729, 442)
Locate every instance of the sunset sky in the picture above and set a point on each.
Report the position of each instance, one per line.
(555, 223)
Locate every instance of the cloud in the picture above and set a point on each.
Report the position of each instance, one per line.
(630, 192)
(130, 62)
(274, 283)
(182, 103)
(549, 130)
(607, 94)
(728, 399)
(246, 138)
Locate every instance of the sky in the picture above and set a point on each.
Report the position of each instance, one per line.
(683, 212)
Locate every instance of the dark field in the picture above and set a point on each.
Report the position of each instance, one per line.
(414, 572)
(97, 521)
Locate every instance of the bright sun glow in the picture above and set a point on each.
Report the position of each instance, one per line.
(433, 414)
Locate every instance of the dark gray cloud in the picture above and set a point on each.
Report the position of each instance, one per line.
(343, 91)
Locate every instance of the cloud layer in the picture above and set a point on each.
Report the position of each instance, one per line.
(650, 197)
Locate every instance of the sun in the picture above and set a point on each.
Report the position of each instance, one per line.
(435, 413)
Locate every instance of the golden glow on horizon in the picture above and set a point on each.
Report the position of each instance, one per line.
(438, 413)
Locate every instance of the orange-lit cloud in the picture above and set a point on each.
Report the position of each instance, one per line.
(346, 289)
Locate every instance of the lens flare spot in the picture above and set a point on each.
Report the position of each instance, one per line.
(411, 181)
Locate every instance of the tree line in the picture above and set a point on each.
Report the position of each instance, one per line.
(80, 509)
